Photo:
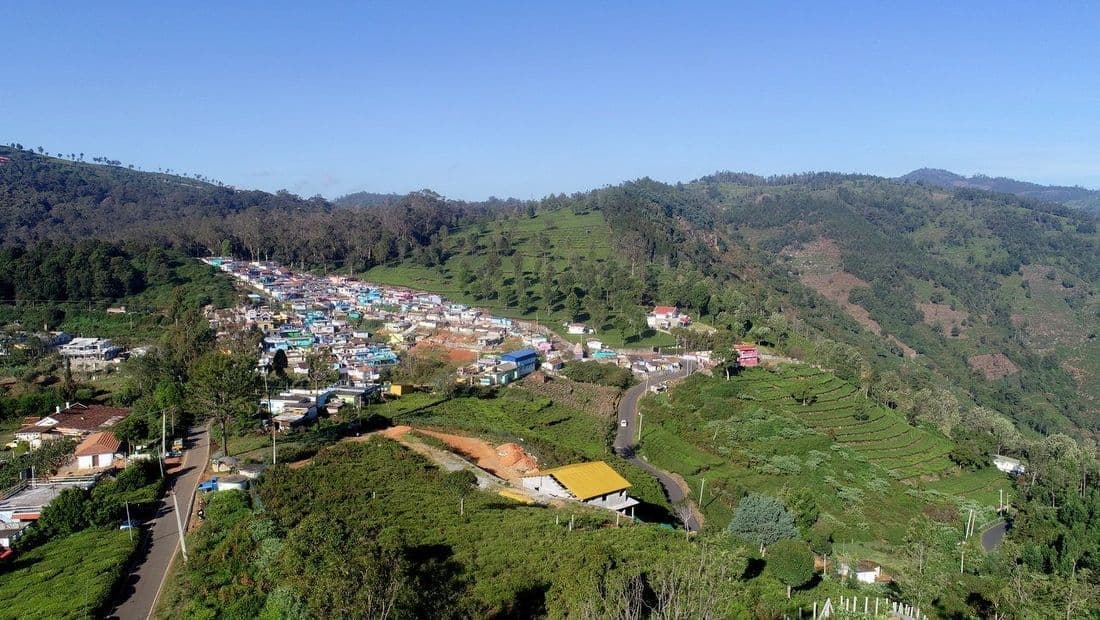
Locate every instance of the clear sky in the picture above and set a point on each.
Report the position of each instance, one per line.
(513, 99)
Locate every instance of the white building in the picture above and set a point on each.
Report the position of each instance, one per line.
(1009, 465)
(98, 450)
(95, 349)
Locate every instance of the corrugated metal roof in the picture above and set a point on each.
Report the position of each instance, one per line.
(588, 480)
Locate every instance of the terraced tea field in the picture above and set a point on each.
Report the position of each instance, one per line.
(837, 409)
(798, 429)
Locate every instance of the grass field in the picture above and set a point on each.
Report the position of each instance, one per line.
(68, 578)
(569, 234)
(871, 470)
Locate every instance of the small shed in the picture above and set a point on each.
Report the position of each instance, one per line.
(225, 464)
(97, 450)
(233, 483)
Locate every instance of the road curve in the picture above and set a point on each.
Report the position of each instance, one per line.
(142, 587)
(993, 536)
(625, 436)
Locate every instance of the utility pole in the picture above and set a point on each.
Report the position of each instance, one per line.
(179, 525)
(162, 450)
(270, 419)
(702, 481)
(639, 426)
(129, 523)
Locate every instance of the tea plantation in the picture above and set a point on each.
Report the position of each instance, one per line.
(798, 429)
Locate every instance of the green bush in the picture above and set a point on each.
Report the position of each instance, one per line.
(600, 374)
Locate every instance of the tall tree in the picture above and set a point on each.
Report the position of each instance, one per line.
(791, 562)
(223, 388)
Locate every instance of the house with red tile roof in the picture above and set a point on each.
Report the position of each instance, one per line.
(75, 420)
(98, 450)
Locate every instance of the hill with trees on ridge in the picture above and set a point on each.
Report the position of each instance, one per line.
(994, 292)
(1073, 196)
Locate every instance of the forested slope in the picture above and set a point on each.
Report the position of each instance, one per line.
(905, 284)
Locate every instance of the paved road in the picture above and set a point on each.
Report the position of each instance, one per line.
(625, 439)
(992, 537)
(139, 592)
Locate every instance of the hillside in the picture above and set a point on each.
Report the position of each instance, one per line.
(48, 198)
(796, 431)
(1079, 197)
(995, 293)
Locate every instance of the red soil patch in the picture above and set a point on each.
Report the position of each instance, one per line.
(452, 354)
(819, 268)
(508, 461)
(993, 365)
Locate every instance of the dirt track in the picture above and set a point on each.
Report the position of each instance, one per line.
(484, 454)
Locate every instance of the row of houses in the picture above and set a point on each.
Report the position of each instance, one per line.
(98, 452)
(330, 313)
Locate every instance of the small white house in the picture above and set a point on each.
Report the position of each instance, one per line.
(867, 572)
(577, 328)
(98, 450)
(1009, 465)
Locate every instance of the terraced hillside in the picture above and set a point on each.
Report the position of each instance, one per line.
(835, 408)
(798, 430)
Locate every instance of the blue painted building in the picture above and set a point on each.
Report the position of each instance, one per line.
(526, 361)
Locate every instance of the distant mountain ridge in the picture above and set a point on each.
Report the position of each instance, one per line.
(1075, 196)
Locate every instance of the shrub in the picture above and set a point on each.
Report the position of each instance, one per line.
(762, 520)
(791, 562)
(600, 374)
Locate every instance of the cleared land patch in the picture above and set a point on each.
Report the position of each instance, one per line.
(944, 316)
(993, 365)
(819, 268)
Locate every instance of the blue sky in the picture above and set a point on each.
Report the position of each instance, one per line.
(514, 99)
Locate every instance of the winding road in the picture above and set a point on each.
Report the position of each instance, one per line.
(624, 441)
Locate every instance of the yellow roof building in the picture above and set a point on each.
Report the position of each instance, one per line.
(588, 480)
